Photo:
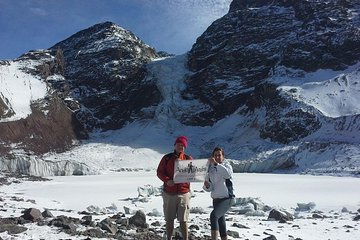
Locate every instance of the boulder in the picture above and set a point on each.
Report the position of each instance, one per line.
(32, 214)
(139, 219)
(278, 215)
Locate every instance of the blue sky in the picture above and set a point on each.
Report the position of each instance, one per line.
(167, 25)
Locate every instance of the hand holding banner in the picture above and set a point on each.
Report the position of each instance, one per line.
(190, 170)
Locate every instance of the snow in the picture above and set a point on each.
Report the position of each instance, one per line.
(113, 192)
(19, 89)
(170, 73)
(333, 93)
(333, 98)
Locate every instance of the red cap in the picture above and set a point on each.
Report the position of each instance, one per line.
(181, 139)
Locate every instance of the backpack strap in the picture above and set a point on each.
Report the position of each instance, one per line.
(230, 187)
(168, 156)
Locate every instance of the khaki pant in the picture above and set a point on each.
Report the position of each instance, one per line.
(176, 206)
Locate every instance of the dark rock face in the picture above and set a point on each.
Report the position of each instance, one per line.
(235, 57)
(5, 111)
(105, 72)
(51, 126)
(40, 133)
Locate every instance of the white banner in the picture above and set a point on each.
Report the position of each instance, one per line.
(190, 170)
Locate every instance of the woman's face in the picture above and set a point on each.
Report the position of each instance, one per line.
(218, 156)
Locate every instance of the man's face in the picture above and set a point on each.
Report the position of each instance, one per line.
(179, 147)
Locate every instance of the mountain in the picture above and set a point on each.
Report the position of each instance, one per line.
(106, 72)
(33, 116)
(240, 56)
(276, 82)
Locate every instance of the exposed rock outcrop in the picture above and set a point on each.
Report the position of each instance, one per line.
(234, 60)
(105, 71)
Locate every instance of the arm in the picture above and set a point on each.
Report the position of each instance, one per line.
(225, 170)
(207, 184)
(161, 171)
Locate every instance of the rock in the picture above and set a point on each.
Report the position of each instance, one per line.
(32, 214)
(271, 237)
(344, 210)
(108, 225)
(194, 227)
(67, 224)
(87, 220)
(157, 224)
(238, 225)
(10, 220)
(280, 215)
(47, 214)
(357, 218)
(53, 131)
(233, 234)
(318, 215)
(12, 228)
(141, 235)
(139, 219)
(94, 233)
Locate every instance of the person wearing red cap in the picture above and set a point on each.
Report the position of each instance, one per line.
(176, 196)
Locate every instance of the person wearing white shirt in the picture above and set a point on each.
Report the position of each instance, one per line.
(218, 182)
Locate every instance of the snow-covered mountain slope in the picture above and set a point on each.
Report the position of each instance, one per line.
(333, 98)
(329, 151)
(34, 120)
(19, 89)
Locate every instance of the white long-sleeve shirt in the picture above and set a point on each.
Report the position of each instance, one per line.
(216, 176)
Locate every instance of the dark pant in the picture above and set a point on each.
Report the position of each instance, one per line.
(217, 216)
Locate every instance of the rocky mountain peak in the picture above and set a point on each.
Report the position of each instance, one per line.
(104, 65)
(234, 60)
(103, 36)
